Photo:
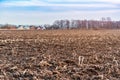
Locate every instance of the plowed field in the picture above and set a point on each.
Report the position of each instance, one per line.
(60, 55)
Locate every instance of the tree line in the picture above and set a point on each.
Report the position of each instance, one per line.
(104, 23)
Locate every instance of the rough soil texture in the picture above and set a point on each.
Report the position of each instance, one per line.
(60, 55)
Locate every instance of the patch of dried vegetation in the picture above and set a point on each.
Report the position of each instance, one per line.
(60, 55)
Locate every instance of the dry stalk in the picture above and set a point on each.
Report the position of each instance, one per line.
(5, 75)
(14, 52)
(115, 62)
(100, 77)
(74, 54)
(1, 77)
(96, 57)
(81, 59)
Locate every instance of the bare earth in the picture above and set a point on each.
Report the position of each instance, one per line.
(60, 55)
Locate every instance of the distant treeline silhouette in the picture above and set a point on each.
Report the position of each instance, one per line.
(104, 23)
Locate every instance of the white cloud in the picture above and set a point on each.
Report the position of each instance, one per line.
(44, 18)
(37, 17)
(108, 1)
(41, 3)
(68, 0)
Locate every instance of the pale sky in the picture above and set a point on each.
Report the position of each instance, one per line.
(47, 11)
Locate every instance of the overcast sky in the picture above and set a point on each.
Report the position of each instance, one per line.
(47, 11)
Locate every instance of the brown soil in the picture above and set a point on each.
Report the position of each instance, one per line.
(60, 55)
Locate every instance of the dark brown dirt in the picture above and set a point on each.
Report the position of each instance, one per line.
(60, 55)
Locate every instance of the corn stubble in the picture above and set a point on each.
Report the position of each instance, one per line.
(60, 55)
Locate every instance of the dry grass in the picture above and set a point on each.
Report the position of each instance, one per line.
(60, 55)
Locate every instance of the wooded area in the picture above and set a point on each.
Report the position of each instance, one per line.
(104, 23)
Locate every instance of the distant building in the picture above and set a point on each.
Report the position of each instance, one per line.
(20, 27)
(27, 28)
(40, 28)
(23, 27)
